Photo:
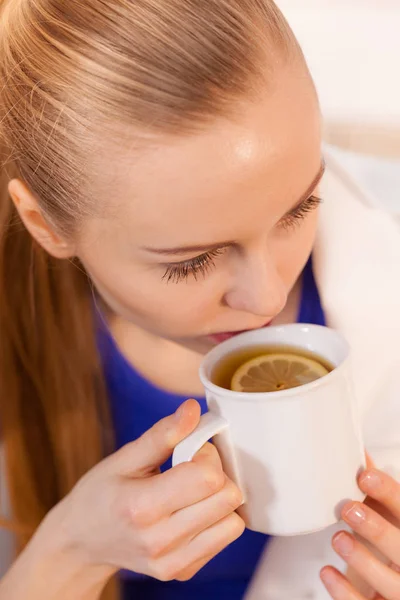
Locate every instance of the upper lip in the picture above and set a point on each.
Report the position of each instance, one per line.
(242, 330)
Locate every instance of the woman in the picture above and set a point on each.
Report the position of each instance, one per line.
(162, 162)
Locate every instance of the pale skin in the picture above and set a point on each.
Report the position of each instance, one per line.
(232, 189)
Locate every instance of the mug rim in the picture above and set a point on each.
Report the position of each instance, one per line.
(280, 394)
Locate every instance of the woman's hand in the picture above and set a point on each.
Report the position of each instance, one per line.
(383, 533)
(125, 514)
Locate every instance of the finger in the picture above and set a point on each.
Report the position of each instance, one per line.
(395, 568)
(369, 461)
(186, 524)
(379, 576)
(338, 586)
(143, 456)
(374, 528)
(195, 480)
(190, 572)
(208, 543)
(214, 539)
(162, 495)
(194, 519)
(383, 488)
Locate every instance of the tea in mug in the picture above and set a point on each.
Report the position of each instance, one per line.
(269, 368)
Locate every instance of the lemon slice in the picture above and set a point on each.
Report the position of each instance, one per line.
(276, 372)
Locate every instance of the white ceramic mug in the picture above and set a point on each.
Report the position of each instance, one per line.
(295, 453)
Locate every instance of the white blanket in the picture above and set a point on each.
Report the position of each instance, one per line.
(357, 268)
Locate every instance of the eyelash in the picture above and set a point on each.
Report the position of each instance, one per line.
(201, 265)
(300, 213)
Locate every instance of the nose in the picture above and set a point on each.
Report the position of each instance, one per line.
(257, 287)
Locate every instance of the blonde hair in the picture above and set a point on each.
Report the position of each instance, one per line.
(71, 74)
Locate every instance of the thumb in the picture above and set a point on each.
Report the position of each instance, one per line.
(143, 456)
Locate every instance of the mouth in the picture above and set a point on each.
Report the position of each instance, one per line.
(218, 338)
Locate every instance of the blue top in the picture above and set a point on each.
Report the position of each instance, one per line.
(136, 405)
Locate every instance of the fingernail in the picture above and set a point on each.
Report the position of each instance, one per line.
(343, 543)
(370, 480)
(329, 578)
(355, 514)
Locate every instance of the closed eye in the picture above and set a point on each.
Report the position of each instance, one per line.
(198, 266)
(299, 213)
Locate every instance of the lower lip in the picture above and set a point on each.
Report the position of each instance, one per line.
(218, 338)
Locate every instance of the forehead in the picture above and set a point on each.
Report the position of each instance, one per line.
(267, 156)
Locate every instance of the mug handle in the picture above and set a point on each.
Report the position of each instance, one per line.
(210, 425)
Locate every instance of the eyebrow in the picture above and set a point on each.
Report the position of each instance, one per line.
(209, 247)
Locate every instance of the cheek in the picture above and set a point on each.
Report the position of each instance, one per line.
(138, 294)
(292, 250)
(185, 305)
(173, 310)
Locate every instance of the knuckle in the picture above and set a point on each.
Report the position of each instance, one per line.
(140, 516)
(185, 577)
(378, 528)
(140, 513)
(213, 478)
(236, 525)
(120, 507)
(233, 496)
(154, 548)
(131, 506)
(208, 452)
(209, 467)
(165, 572)
(188, 573)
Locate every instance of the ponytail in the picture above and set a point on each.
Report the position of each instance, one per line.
(53, 409)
